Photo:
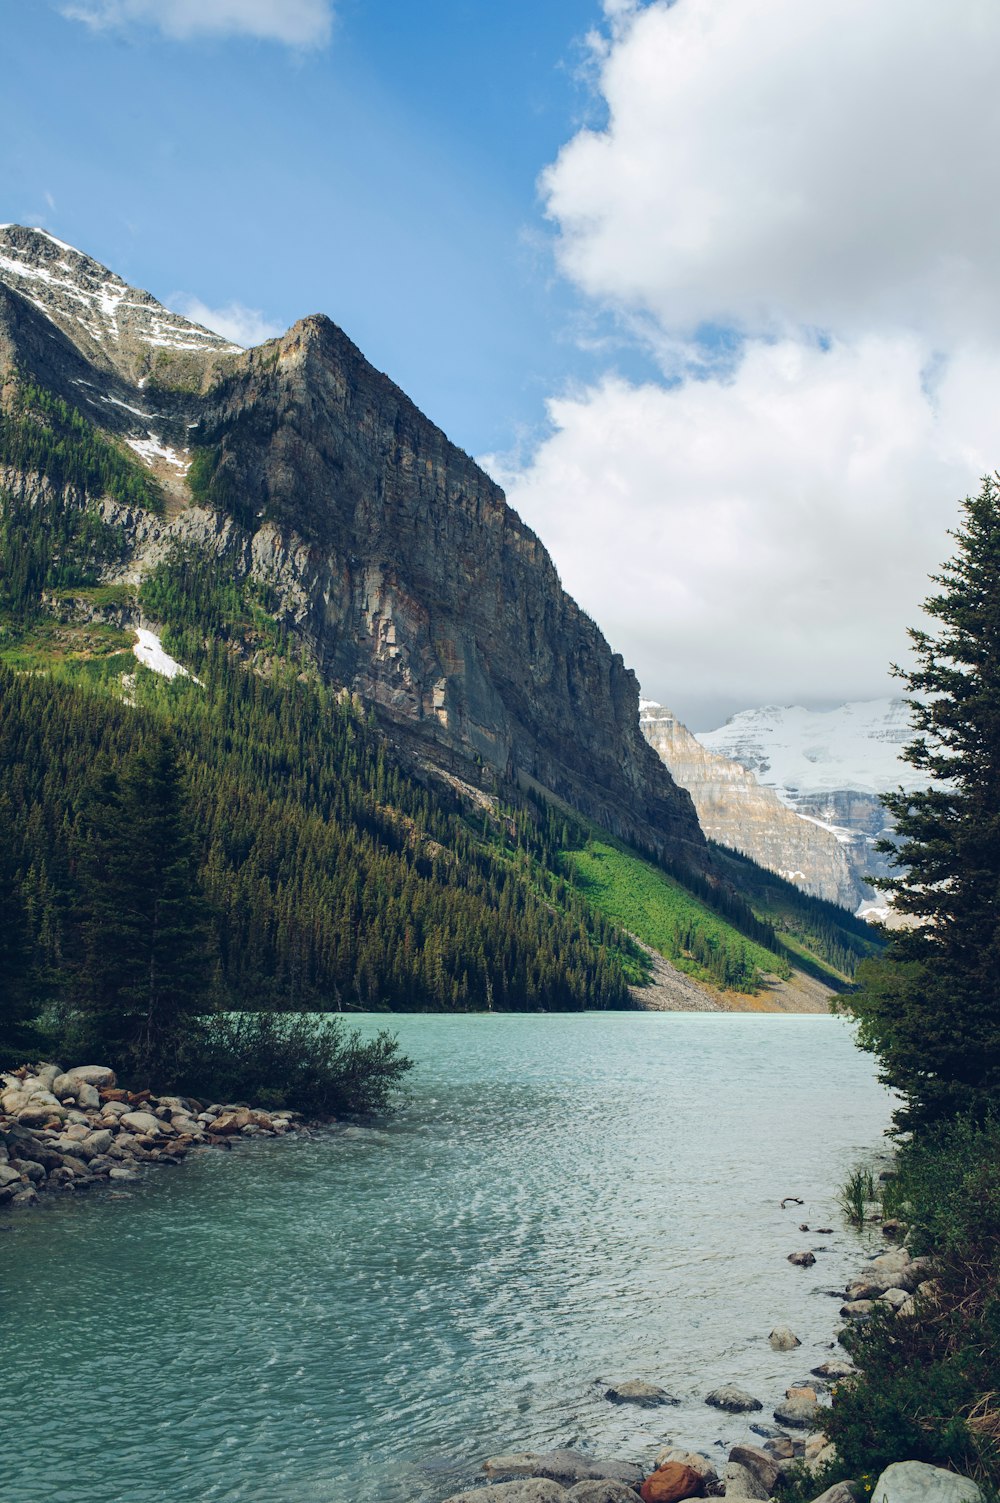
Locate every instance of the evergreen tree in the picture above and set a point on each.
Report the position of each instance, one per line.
(145, 961)
(930, 1006)
(18, 1038)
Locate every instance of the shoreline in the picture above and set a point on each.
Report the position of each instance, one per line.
(65, 1131)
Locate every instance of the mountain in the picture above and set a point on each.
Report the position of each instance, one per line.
(394, 559)
(827, 765)
(408, 767)
(736, 811)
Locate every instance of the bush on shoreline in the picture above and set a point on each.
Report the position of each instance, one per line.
(312, 1065)
(928, 1386)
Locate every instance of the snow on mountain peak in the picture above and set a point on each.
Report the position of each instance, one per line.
(90, 303)
(798, 751)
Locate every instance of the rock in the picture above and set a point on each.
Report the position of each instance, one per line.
(39, 1116)
(894, 1228)
(98, 1076)
(739, 1482)
(230, 1123)
(758, 1462)
(561, 1465)
(857, 1309)
(782, 1339)
(87, 1098)
(840, 1492)
(143, 1123)
(917, 1482)
(28, 1170)
(646, 1395)
(802, 1259)
(782, 1447)
(100, 1141)
(601, 1492)
(825, 1456)
(47, 1074)
(734, 1400)
(528, 1490)
(8, 1176)
(895, 1298)
(929, 1290)
(119, 1173)
(115, 1110)
(835, 1368)
(801, 1392)
(670, 1483)
(800, 1414)
(694, 1459)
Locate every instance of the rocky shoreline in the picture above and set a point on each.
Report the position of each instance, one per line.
(68, 1130)
(795, 1441)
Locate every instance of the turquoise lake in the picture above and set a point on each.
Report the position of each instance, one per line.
(362, 1316)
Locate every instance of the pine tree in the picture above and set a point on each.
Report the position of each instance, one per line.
(146, 964)
(18, 1037)
(930, 1006)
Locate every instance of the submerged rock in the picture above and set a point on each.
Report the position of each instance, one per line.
(783, 1339)
(646, 1395)
(734, 1400)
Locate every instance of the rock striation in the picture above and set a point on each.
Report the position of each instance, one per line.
(735, 810)
(393, 558)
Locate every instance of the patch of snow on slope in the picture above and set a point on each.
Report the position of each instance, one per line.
(149, 650)
(795, 750)
(150, 449)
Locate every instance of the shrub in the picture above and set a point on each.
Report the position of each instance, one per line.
(310, 1064)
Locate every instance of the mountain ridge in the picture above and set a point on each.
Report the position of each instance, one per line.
(393, 557)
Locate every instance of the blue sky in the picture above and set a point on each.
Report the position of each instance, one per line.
(387, 179)
(709, 285)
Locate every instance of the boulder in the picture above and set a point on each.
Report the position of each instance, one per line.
(694, 1459)
(917, 1482)
(894, 1298)
(34, 1115)
(528, 1490)
(802, 1259)
(670, 1483)
(601, 1492)
(561, 1465)
(98, 1076)
(646, 1395)
(840, 1492)
(800, 1414)
(835, 1368)
(8, 1176)
(118, 1173)
(739, 1482)
(801, 1392)
(857, 1309)
(98, 1142)
(87, 1097)
(143, 1123)
(734, 1400)
(757, 1461)
(783, 1339)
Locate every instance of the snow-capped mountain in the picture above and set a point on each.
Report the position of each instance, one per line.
(828, 765)
(736, 811)
(797, 751)
(116, 326)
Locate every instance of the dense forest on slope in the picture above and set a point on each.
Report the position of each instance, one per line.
(333, 876)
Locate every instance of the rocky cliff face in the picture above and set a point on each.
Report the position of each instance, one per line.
(395, 559)
(736, 811)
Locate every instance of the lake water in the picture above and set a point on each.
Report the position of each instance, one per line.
(366, 1314)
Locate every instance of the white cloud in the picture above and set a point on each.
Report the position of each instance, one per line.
(764, 538)
(817, 180)
(245, 326)
(768, 161)
(297, 23)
